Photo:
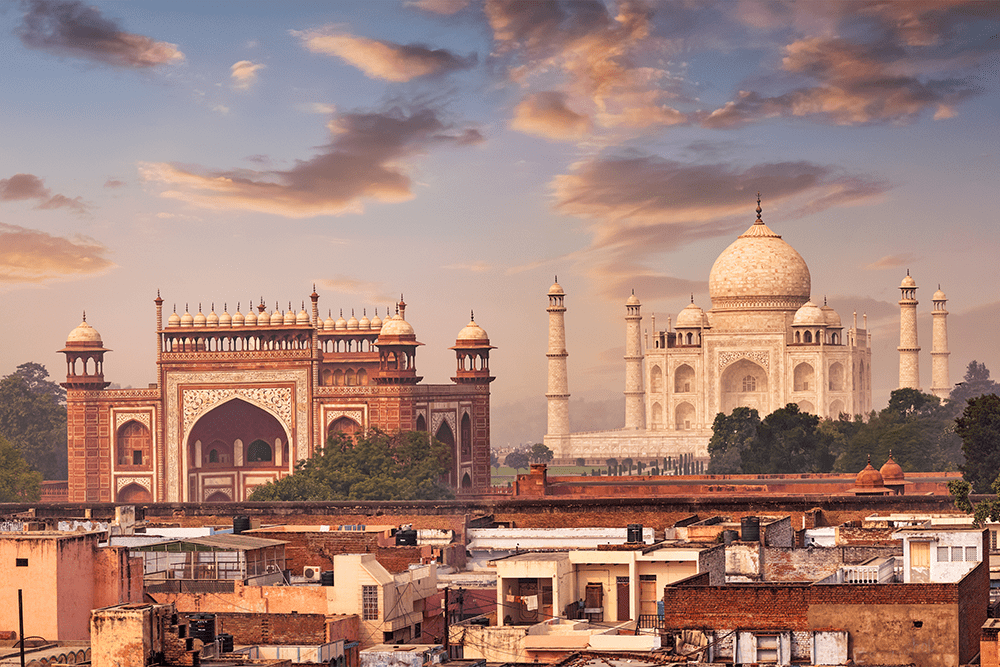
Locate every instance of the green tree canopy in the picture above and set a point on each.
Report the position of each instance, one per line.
(18, 482)
(786, 441)
(33, 420)
(979, 429)
(540, 453)
(377, 466)
(517, 460)
(976, 382)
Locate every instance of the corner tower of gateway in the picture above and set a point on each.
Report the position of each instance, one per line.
(763, 344)
(241, 397)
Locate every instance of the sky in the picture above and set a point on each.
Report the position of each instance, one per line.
(465, 153)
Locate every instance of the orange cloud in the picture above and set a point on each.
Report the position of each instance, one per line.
(545, 114)
(891, 262)
(445, 7)
(380, 59)
(20, 187)
(366, 160)
(244, 73)
(596, 55)
(373, 292)
(74, 29)
(642, 206)
(32, 256)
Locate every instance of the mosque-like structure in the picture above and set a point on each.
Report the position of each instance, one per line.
(762, 344)
(241, 397)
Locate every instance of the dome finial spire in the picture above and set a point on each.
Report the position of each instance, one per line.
(759, 210)
(84, 316)
(472, 315)
(692, 297)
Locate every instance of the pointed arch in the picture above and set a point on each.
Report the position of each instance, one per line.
(684, 416)
(466, 481)
(421, 423)
(134, 494)
(836, 409)
(135, 445)
(259, 451)
(807, 406)
(684, 379)
(744, 384)
(344, 425)
(656, 380)
(657, 416)
(804, 378)
(466, 433)
(836, 376)
(218, 497)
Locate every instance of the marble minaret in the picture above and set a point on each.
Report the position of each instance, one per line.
(558, 385)
(634, 397)
(909, 350)
(940, 384)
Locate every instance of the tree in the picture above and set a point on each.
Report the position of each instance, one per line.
(516, 460)
(494, 460)
(580, 462)
(612, 465)
(35, 376)
(732, 436)
(975, 383)
(982, 511)
(640, 466)
(34, 421)
(18, 482)
(540, 453)
(979, 429)
(376, 466)
(627, 464)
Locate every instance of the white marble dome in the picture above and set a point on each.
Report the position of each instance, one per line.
(759, 270)
(396, 326)
(84, 333)
(473, 332)
(692, 316)
(809, 315)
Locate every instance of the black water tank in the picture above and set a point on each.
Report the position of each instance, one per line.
(729, 536)
(406, 538)
(226, 641)
(240, 524)
(202, 626)
(634, 533)
(326, 578)
(750, 529)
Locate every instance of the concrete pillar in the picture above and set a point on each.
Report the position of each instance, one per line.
(940, 383)
(634, 395)
(909, 350)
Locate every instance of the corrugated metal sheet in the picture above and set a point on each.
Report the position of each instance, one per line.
(218, 542)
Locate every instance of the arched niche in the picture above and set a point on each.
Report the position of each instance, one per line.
(236, 423)
(836, 376)
(807, 406)
(744, 384)
(656, 380)
(836, 408)
(657, 416)
(804, 378)
(134, 494)
(684, 379)
(684, 416)
(134, 445)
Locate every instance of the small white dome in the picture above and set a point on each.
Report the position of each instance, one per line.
(238, 318)
(692, 316)
(251, 318)
(84, 333)
(290, 316)
(376, 322)
(302, 317)
(364, 323)
(225, 320)
(473, 332)
(264, 319)
(329, 324)
(187, 319)
(939, 296)
(341, 323)
(556, 289)
(633, 300)
(174, 320)
(213, 319)
(396, 326)
(200, 320)
(809, 314)
(831, 316)
(908, 281)
(353, 324)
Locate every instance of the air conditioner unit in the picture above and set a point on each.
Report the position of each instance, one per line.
(312, 572)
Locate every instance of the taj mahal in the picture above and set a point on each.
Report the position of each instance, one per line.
(763, 344)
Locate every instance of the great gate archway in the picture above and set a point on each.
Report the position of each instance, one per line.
(233, 448)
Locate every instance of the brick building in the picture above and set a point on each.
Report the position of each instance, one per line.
(240, 398)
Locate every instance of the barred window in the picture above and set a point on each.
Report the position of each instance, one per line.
(942, 554)
(957, 553)
(750, 383)
(971, 554)
(369, 603)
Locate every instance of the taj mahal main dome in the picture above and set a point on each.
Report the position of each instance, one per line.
(759, 270)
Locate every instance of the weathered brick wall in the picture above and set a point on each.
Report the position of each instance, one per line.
(272, 628)
(736, 606)
(974, 597)
(864, 535)
(788, 564)
(306, 549)
(778, 533)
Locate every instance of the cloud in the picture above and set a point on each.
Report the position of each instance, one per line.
(365, 160)
(71, 28)
(244, 73)
(640, 206)
(883, 62)
(545, 114)
(596, 57)
(221, 109)
(380, 59)
(32, 256)
(891, 262)
(374, 292)
(21, 187)
(114, 183)
(324, 108)
(475, 267)
(445, 7)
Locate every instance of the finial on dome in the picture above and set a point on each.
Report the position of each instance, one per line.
(341, 312)
(759, 210)
(352, 312)
(364, 312)
(633, 291)
(472, 315)
(199, 306)
(869, 459)
(824, 299)
(556, 280)
(213, 306)
(175, 307)
(692, 297)
(84, 316)
(907, 272)
(225, 306)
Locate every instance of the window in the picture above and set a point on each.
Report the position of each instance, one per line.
(20, 562)
(993, 540)
(259, 451)
(942, 554)
(749, 383)
(767, 648)
(369, 603)
(957, 554)
(971, 554)
(137, 457)
(417, 630)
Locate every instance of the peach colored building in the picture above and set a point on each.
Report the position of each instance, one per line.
(63, 576)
